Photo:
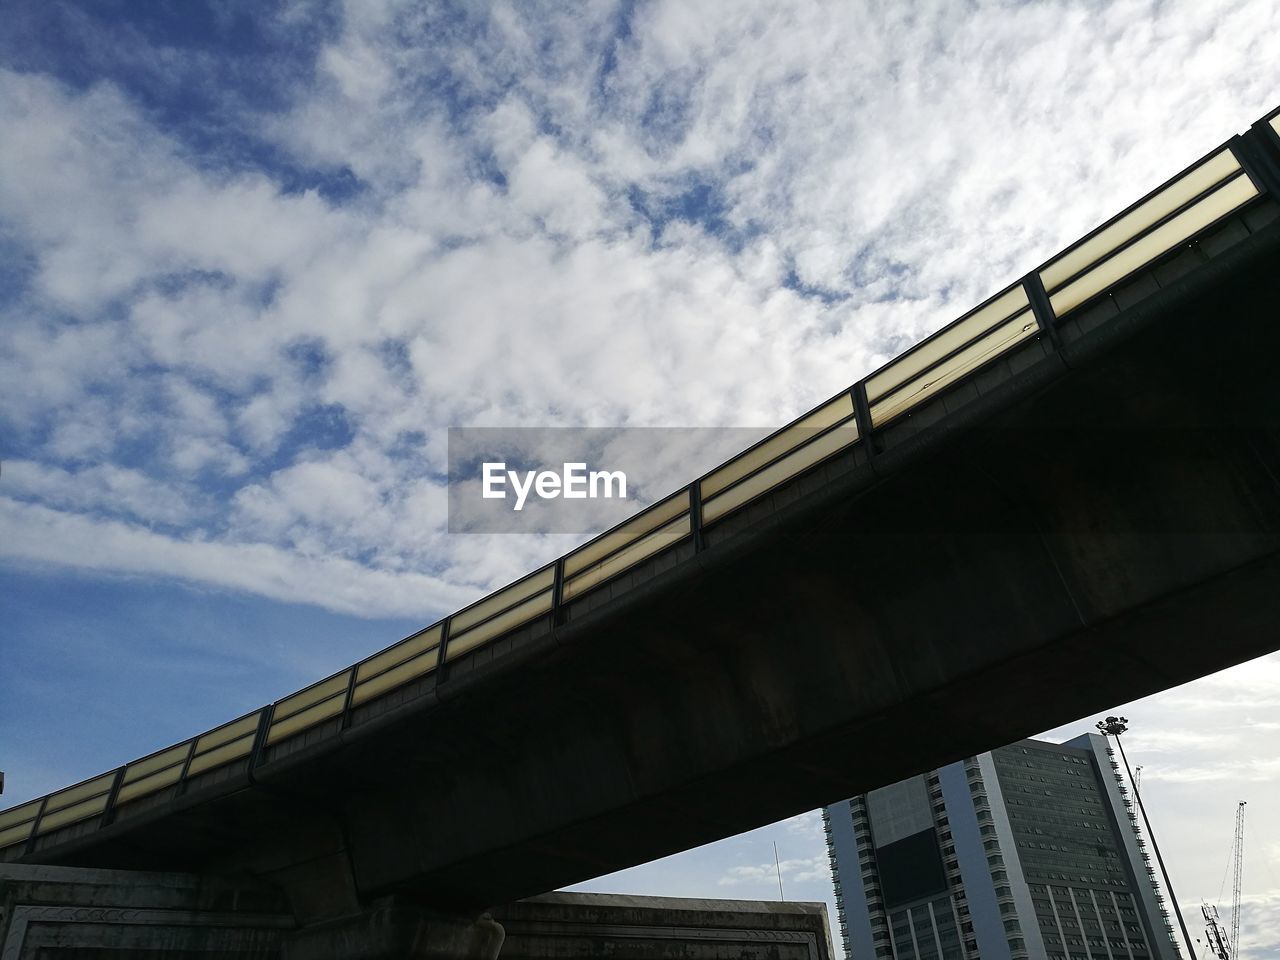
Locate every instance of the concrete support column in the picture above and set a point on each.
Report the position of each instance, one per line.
(397, 930)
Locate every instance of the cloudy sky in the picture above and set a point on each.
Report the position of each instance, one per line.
(256, 258)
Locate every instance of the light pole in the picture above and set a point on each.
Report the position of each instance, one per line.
(1113, 727)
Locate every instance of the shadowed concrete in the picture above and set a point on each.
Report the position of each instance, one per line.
(590, 925)
(1072, 528)
(83, 913)
(69, 913)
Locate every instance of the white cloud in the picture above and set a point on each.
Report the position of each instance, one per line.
(35, 534)
(502, 261)
(800, 870)
(104, 487)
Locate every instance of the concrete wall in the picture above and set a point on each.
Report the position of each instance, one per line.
(76, 913)
(73, 913)
(593, 925)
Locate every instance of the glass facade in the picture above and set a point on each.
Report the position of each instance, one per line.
(1043, 862)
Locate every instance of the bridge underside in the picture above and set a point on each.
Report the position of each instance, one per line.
(1101, 525)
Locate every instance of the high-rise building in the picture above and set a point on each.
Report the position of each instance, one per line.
(1029, 852)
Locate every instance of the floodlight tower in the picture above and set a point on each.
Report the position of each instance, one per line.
(1113, 727)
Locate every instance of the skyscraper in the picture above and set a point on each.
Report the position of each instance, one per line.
(1029, 852)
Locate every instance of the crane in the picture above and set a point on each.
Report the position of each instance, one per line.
(1237, 857)
(1218, 944)
(1222, 945)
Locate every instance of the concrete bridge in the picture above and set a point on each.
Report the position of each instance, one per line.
(1066, 499)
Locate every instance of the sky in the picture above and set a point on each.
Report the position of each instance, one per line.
(257, 257)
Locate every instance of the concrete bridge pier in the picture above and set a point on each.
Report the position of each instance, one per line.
(309, 859)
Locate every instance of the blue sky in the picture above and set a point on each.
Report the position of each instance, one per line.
(256, 258)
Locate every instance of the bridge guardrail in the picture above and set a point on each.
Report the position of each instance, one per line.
(501, 612)
(650, 531)
(1193, 201)
(411, 658)
(980, 336)
(791, 451)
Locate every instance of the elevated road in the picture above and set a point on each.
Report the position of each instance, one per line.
(1065, 500)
